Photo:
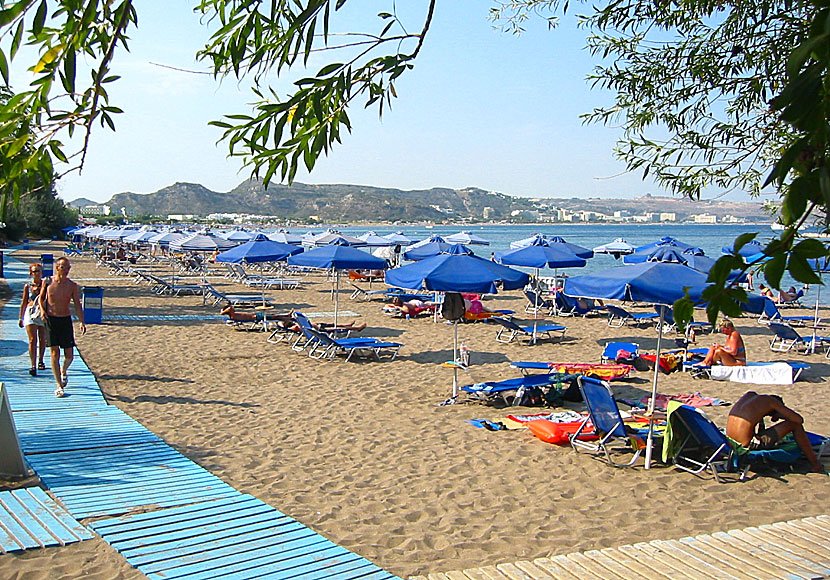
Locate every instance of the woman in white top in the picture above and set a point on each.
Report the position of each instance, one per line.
(32, 319)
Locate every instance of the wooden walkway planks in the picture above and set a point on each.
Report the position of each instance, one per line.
(794, 550)
(29, 518)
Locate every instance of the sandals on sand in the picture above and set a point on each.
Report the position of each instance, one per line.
(33, 371)
(41, 366)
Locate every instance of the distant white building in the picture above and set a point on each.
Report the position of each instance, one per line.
(705, 218)
(95, 210)
(180, 217)
(668, 216)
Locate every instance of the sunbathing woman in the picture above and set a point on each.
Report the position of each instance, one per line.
(411, 307)
(733, 353)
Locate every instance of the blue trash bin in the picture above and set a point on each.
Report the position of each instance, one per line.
(48, 262)
(25, 243)
(93, 304)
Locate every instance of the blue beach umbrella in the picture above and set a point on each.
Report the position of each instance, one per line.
(433, 249)
(372, 240)
(642, 253)
(333, 237)
(619, 247)
(466, 238)
(457, 271)
(201, 242)
(337, 257)
(750, 248)
(285, 237)
(400, 238)
(164, 238)
(238, 235)
(540, 254)
(559, 242)
(259, 249)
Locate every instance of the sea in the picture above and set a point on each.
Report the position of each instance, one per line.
(711, 238)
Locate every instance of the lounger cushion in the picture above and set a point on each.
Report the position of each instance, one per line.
(758, 373)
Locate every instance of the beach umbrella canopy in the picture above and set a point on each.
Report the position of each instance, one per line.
(238, 235)
(115, 234)
(140, 237)
(619, 247)
(749, 249)
(197, 242)
(164, 238)
(540, 254)
(333, 237)
(285, 237)
(434, 238)
(259, 249)
(400, 238)
(642, 253)
(424, 251)
(466, 238)
(459, 270)
(337, 257)
(527, 241)
(559, 242)
(373, 240)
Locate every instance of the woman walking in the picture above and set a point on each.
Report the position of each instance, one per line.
(32, 319)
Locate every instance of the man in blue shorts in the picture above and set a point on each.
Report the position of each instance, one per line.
(60, 334)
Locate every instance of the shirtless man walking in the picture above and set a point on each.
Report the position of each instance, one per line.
(59, 331)
(748, 413)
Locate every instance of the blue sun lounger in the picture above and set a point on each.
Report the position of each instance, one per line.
(322, 345)
(787, 338)
(772, 314)
(501, 390)
(509, 330)
(618, 317)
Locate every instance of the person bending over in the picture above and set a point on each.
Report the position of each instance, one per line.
(745, 425)
(409, 308)
(733, 353)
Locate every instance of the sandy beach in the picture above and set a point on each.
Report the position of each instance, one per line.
(362, 453)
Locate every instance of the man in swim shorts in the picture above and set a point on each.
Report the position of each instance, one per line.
(60, 334)
(745, 425)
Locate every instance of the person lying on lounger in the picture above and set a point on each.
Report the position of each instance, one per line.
(411, 307)
(745, 425)
(285, 320)
(733, 353)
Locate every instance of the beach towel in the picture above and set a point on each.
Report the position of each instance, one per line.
(776, 373)
(606, 372)
(661, 402)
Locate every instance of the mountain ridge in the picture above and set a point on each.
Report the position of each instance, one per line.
(348, 202)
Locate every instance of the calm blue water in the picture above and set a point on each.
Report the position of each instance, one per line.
(710, 238)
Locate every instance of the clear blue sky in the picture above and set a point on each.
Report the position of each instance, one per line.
(481, 108)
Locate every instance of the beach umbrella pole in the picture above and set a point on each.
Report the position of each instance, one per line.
(455, 360)
(336, 294)
(652, 401)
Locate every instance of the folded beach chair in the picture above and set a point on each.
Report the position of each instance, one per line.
(510, 391)
(613, 350)
(786, 339)
(324, 346)
(772, 314)
(604, 416)
(694, 444)
(536, 304)
(509, 330)
(618, 317)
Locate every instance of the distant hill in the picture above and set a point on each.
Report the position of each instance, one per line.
(353, 203)
(81, 202)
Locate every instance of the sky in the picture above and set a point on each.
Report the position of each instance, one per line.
(482, 108)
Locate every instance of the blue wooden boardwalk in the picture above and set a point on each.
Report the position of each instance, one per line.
(169, 517)
(31, 519)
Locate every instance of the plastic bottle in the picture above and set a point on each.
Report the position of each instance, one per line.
(692, 335)
(464, 354)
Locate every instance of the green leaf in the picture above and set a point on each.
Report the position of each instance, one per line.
(69, 70)
(743, 240)
(801, 270)
(774, 270)
(810, 249)
(4, 67)
(17, 145)
(683, 312)
(40, 19)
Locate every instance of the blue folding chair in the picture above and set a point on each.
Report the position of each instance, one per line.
(612, 349)
(536, 304)
(604, 415)
(703, 446)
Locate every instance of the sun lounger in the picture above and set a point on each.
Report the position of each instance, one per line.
(613, 350)
(772, 314)
(787, 338)
(755, 373)
(477, 316)
(509, 330)
(606, 420)
(607, 372)
(212, 294)
(163, 286)
(324, 346)
(618, 317)
(570, 306)
(507, 392)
